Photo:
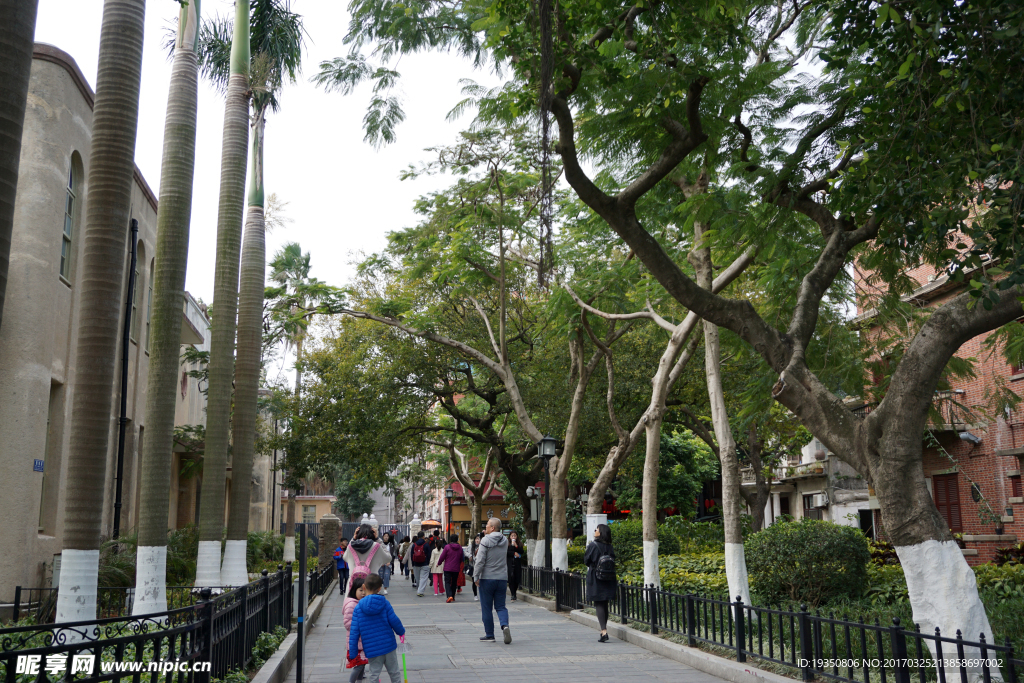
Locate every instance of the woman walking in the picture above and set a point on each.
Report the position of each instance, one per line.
(474, 546)
(600, 562)
(365, 555)
(516, 557)
(387, 542)
(403, 556)
(451, 561)
(436, 569)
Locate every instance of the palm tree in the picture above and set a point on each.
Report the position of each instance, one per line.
(176, 175)
(17, 28)
(111, 166)
(225, 301)
(276, 42)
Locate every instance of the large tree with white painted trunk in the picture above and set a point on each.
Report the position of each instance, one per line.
(106, 236)
(173, 223)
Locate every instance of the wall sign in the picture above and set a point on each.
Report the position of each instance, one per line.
(37, 465)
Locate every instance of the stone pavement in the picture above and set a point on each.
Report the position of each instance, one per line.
(444, 647)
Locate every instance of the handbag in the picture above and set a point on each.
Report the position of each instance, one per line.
(462, 580)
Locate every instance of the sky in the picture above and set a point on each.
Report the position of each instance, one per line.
(343, 195)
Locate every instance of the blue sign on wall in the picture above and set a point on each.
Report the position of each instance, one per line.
(37, 466)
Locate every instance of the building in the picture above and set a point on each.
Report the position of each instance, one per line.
(972, 453)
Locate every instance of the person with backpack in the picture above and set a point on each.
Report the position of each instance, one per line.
(374, 622)
(365, 555)
(339, 554)
(436, 570)
(420, 556)
(403, 556)
(601, 580)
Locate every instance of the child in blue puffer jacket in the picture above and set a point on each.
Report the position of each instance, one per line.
(375, 622)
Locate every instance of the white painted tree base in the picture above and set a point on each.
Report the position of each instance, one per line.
(234, 572)
(652, 567)
(150, 580)
(736, 572)
(560, 554)
(208, 565)
(944, 594)
(289, 549)
(76, 597)
(531, 553)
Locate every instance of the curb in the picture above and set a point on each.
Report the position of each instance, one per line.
(736, 672)
(280, 663)
(549, 605)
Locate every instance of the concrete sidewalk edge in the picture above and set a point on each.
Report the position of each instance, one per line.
(736, 672)
(280, 663)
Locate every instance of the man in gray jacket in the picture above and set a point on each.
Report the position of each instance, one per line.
(490, 572)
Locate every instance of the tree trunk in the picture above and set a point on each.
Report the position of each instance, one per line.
(112, 165)
(17, 28)
(289, 528)
(247, 367)
(225, 302)
(758, 498)
(649, 498)
(476, 507)
(173, 220)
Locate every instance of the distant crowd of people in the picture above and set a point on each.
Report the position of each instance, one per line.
(491, 564)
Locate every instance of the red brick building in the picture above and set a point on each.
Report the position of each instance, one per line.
(974, 472)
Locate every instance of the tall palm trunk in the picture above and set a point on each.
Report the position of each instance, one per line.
(111, 166)
(17, 28)
(247, 365)
(176, 176)
(289, 527)
(225, 303)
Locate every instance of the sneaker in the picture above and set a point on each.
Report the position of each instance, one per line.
(488, 639)
(419, 595)
(386, 592)
(507, 633)
(477, 598)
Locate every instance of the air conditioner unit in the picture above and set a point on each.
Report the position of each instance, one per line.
(820, 500)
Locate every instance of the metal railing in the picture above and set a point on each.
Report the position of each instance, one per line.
(221, 630)
(813, 644)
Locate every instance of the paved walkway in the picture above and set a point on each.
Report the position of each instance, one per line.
(444, 647)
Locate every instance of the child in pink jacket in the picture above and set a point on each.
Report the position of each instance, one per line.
(355, 594)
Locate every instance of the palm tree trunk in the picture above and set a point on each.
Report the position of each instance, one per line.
(225, 302)
(247, 366)
(111, 161)
(17, 28)
(176, 176)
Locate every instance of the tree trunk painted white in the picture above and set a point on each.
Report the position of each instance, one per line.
(208, 565)
(649, 499)
(560, 554)
(150, 580)
(289, 549)
(531, 552)
(652, 566)
(289, 526)
(233, 572)
(736, 572)
(76, 596)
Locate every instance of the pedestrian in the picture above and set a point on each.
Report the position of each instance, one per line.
(403, 556)
(420, 556)
(387, 542)
(356, 594)
(516, 558)
(436, 570)
(474, 546)
(601, 585)
(491, 575)
(375, 622)
(451, 562)
(365, 555)
(339, 561)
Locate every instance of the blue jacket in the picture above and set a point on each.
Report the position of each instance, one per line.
(340, 563)
(374, 620)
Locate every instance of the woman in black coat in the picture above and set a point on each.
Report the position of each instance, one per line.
(516, 556)
(600, 591)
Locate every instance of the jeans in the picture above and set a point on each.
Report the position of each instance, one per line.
(385, 575)
(343, 580)
(421, 577)
(492, 596)
(390, 662)
(357, 673)
(451, 583)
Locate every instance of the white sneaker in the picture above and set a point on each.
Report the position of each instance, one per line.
(385, 591)
(477, 598)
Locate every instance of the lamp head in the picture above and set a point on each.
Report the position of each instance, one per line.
(546, 447)
(449, 493)
(970, 438)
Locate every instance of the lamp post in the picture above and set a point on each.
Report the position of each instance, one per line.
(449, 493)
(546, 449)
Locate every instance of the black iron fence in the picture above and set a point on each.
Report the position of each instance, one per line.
(813, 644)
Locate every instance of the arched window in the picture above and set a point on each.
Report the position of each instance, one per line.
(69, 224)
(149, 302)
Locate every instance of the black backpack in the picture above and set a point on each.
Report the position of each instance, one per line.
(604, 570)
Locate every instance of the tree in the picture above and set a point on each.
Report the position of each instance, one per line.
(222, 336)
(476, 491)
(112, 164)
(17, 28)
(176, 175)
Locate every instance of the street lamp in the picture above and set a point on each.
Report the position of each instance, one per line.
(546, 449)
(449, 493)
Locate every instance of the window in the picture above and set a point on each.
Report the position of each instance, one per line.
(308, 514)
(784, 505)
(1016, 487)
(149, 303)
(810, 511)
(947, 500)
(69, 224)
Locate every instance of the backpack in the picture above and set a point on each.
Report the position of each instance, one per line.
(361, 569)
(419, 555)
(604, 570)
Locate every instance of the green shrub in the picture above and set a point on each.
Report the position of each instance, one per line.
(702, 574)
(1001, 583)
(576, 553)
(696, 537)
(808, 561)
(886, 584)
(628, 540)
(1013, 554)
(883, 553)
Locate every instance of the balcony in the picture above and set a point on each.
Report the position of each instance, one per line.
(804, 471)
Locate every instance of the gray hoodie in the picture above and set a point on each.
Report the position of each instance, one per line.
(492, 558)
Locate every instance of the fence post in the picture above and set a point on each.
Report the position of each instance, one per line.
(242, 655)
(206, 646)
(288, 597)
(266, 601)
(623, 603)
(741, 635)
(558, 590)
(691, 621)
(652, 608)
(17, 603)
(899, 652)
(806, 654)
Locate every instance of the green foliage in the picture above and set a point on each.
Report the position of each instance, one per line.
(696, 537)
(261, 548)
(628, 540)
(686, 463)
(576, 553)
(702, 574)
(117, 558)
(266, 645)
(882, 553)
(1013, 554)
(1002, 583)
(886, 584)
(808, 561)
